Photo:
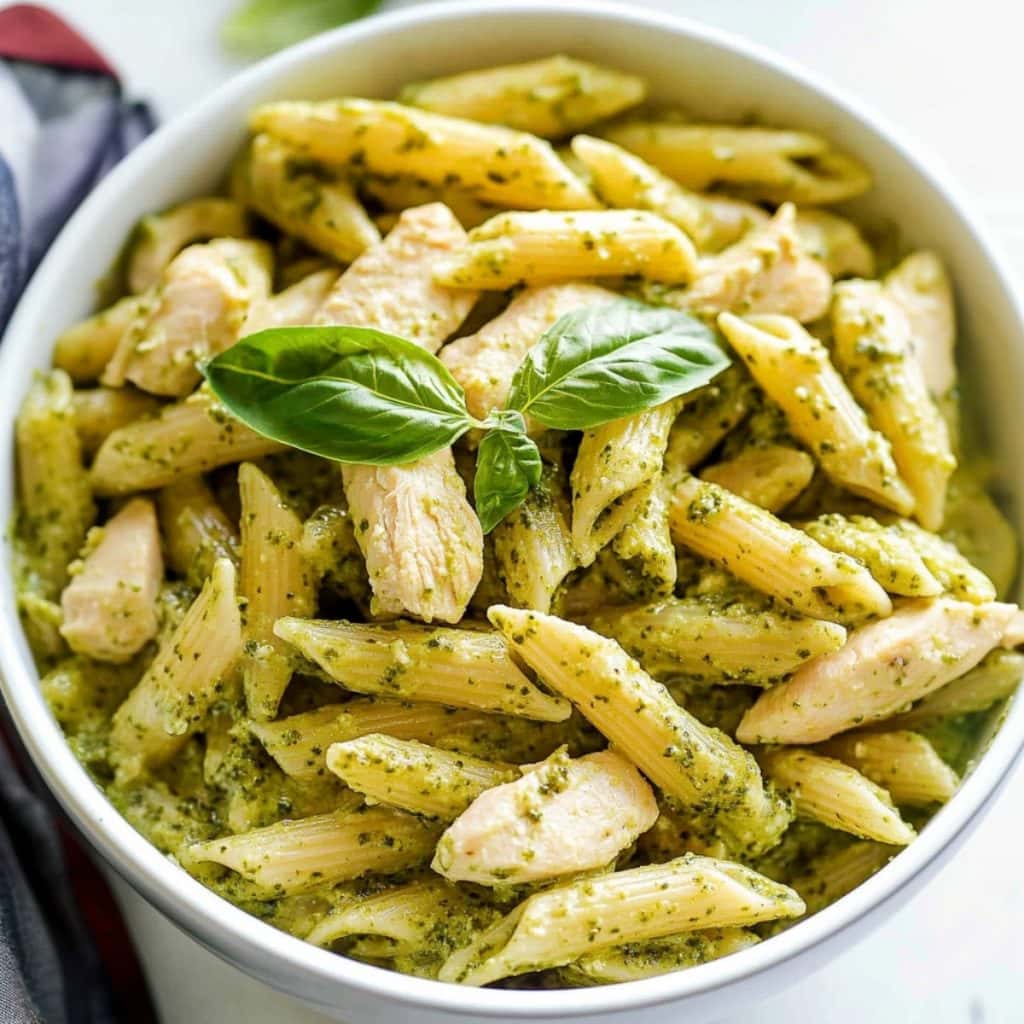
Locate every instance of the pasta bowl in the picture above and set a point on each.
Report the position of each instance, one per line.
(714, 76)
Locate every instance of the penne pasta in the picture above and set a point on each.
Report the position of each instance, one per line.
(159, 237)
(303, 200)
(296, 856)
(701, 768)
(882, 668)
(331, 553)
(903, 763)
(274, 582)
(196, 530)
(413, 776)
(832, 875)
(551, 97)
(874, 350)
(704, 639)
(484, 362)
(886, 552)
(100, 411)
(544, 246)
(189, 673)
(635, 961)
(109, 608)
(770, 477)
(186, 438)
(614, 472)
(515, 833)
(836, 242)
(498, 165)
(624, 181)
(765, 164)
(772, 556)
(84, 349)
(397, 192)
(993, 679)
(954, 572)
(795, 371)
(467, 668)
(689, 894)
(838, 796)
(644, 545)
(293, 307)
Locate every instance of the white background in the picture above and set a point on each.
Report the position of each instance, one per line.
(950, 74)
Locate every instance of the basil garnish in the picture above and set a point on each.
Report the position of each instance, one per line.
(508, 466)
(259, 27)
(354, 394)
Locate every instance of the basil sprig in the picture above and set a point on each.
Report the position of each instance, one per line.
(354, 394)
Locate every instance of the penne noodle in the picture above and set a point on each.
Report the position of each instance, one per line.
(186, 438)
(700, 639)
(886, 552)
(551, 97)
(498, 165)
(881, 669)
(195, 528)
(544, 246)
(689, 894)
(645, 545)
(635, 961)
(770, 477)
(995, 678)
(954, 572)
(159, 237)
(624, 181)
(109, 608)
(838, 796)
(765, 164)
(701, 768)
(515, 833)
(84, 349)
(795, 371)
(397, 192)
(331, 553)
(56, 506)
(484, 362)
(615, 469)
(275, 582)
(296, 856)
(295, 306)
(832, 875)
(302, 200)
(903, 763)
(874, 350)
(413, 776)
(189, 673)
(467, 668)
(772, 556)
(836, 242)
(100, 411)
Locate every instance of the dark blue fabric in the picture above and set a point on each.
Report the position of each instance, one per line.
(50, 970)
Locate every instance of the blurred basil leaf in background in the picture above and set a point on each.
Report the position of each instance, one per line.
(260, 27)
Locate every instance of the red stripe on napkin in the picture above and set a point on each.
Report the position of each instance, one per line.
(32, 33)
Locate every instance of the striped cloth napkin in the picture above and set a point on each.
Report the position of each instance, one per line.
(63, 125)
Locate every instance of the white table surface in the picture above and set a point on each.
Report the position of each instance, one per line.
(952, 75)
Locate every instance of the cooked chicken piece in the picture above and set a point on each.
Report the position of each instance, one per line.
(197, 311)
(767, 271)
(420, 537)
(109, 606)
(483, 363)
(881, 669)
(562, 817)
(391, 285)
(921, 287)
(292, 307)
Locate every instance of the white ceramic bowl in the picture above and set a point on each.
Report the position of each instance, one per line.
(711, 74)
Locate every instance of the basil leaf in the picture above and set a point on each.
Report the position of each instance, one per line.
(508, 465)
(603, 362)
(351, 394)
(259, 27)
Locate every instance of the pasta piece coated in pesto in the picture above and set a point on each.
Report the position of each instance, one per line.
(561, 817)
(712, 777)
(770, 476)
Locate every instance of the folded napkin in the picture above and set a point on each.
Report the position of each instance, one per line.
(63, 125)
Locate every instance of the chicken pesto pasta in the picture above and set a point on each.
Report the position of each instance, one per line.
(515, 534)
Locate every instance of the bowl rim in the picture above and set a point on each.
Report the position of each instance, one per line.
(252, 944)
